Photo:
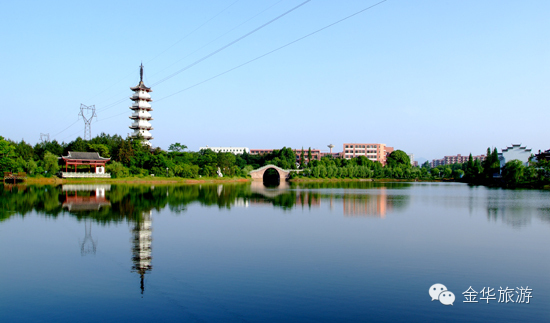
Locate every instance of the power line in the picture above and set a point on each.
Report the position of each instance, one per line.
(244, 22)
(194, 30)
(164, 51)
(202, 59)
(245, 63)
(230, 44)
(113, 104)
(71, 135)
(272, 51)
(66, 128)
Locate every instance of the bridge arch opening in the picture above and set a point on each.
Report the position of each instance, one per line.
(271, 177)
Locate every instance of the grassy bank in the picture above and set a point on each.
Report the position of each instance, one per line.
(132, 180)
(308, 180)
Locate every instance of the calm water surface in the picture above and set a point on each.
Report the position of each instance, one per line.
(338, 252)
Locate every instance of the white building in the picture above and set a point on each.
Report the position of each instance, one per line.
(234, 150)
(141, 108)
(515, 152)
(411, 158)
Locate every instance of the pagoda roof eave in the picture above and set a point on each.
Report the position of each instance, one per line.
(138, 99)
(138, 108)
(141, 86)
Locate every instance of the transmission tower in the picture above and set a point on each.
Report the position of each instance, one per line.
(44, 137)
(88, 245)
(87, 113)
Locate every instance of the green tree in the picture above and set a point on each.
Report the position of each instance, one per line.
(51, 164)
(24, 150)
(7, 155)
(78, 144)
(512, 172)
(177, 147)
(491, 164)
(458, 173)
(426, 165)
(398, 158)
(125, 152)
(102, 149)
(117, 170)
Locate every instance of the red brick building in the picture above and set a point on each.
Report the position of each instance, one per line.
(374, 152)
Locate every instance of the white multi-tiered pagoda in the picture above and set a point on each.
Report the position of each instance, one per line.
(141, 107)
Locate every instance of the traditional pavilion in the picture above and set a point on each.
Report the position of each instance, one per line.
(84, 158)
(141, 108)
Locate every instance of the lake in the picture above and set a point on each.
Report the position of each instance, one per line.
(314, 252)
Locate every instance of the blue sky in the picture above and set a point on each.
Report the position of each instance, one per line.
(432, 78)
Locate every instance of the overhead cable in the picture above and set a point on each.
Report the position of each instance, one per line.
(272, 51)
(230, 44)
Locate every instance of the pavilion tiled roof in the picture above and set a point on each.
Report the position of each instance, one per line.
(84, 156)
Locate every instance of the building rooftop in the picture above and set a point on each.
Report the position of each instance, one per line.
(84, 156)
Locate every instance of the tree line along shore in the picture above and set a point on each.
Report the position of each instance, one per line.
(133, 161)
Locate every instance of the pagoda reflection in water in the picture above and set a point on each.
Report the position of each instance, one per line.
(141, 249)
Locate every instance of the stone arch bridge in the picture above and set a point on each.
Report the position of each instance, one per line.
(258, 174)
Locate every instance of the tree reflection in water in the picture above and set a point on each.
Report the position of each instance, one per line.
(116, 203)
(134, 204)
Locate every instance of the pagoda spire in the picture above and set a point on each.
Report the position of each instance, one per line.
(141, 111)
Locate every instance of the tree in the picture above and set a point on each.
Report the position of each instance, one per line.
(309, 156)
(102, 149)
(125, 152)
(51, 163)
(117, 170)
(78, 144)
(24, 150)
(470, 168)
(426, 165)
(7, 155)
(513, 172)
(458, 173)
(398, 158)
(302, 159)
(177, 147)
(225, 161)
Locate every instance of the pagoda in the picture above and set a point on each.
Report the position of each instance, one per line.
(141, 108)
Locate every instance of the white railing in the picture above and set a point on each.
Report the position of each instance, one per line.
(84, 175)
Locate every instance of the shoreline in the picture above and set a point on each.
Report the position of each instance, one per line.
(191, 181)
(127, 180)
(177, 180)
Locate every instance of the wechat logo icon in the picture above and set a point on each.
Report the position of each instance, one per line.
(439, 292)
